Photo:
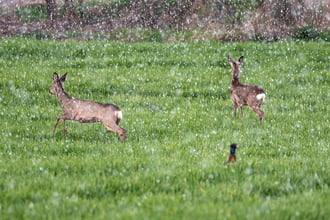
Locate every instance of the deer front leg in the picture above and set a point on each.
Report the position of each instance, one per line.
(56, 122)
(63, 127)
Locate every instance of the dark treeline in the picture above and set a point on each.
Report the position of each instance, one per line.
(210, 19)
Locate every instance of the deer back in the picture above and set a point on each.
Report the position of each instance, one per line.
(89, 111)
(246, 94)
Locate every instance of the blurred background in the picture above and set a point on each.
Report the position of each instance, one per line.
(166, 20)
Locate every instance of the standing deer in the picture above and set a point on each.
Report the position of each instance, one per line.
(85, 111)
(241, 94)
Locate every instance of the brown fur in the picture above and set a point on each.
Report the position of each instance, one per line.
(85, 111)
(242, 94)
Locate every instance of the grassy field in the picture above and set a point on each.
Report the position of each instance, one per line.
(176, 106)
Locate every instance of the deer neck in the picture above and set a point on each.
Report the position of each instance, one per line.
(63, 97)
(236, 72)
(235, 82)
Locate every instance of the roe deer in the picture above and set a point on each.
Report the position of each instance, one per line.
(241, 94)
(85, 111)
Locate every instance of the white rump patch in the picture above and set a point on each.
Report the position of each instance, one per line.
(261, 96)
(119, 115)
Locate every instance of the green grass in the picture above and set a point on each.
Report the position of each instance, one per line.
(176, 105)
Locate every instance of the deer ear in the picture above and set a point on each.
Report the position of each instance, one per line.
(55, 76)
(63, 77)
(241, 59)
(230, 59)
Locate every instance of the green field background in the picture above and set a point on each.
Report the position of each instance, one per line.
(177, 110)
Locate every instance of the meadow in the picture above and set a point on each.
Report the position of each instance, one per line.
(178, 113)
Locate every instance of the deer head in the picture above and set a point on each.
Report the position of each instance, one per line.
(57, 85)
(236, 67)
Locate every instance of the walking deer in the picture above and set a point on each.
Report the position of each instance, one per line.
(85, 111)
(241, 94)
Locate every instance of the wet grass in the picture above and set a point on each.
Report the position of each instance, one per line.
(176, 106)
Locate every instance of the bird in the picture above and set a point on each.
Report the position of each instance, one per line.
(232, 155)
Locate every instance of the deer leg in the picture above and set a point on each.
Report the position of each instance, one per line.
(259, 112)
(63, 127)
(115, 128)
(122, 135)
(261, 115)
(235, 110)
(241, 108)
(56, 122)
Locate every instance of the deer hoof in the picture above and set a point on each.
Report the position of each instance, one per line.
(122, 137)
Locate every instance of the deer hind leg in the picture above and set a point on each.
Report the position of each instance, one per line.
(241, 108)
(259, 112)
(235, 110)
(115, 128)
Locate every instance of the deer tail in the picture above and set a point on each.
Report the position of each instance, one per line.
(261, 96)
(119, 115)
